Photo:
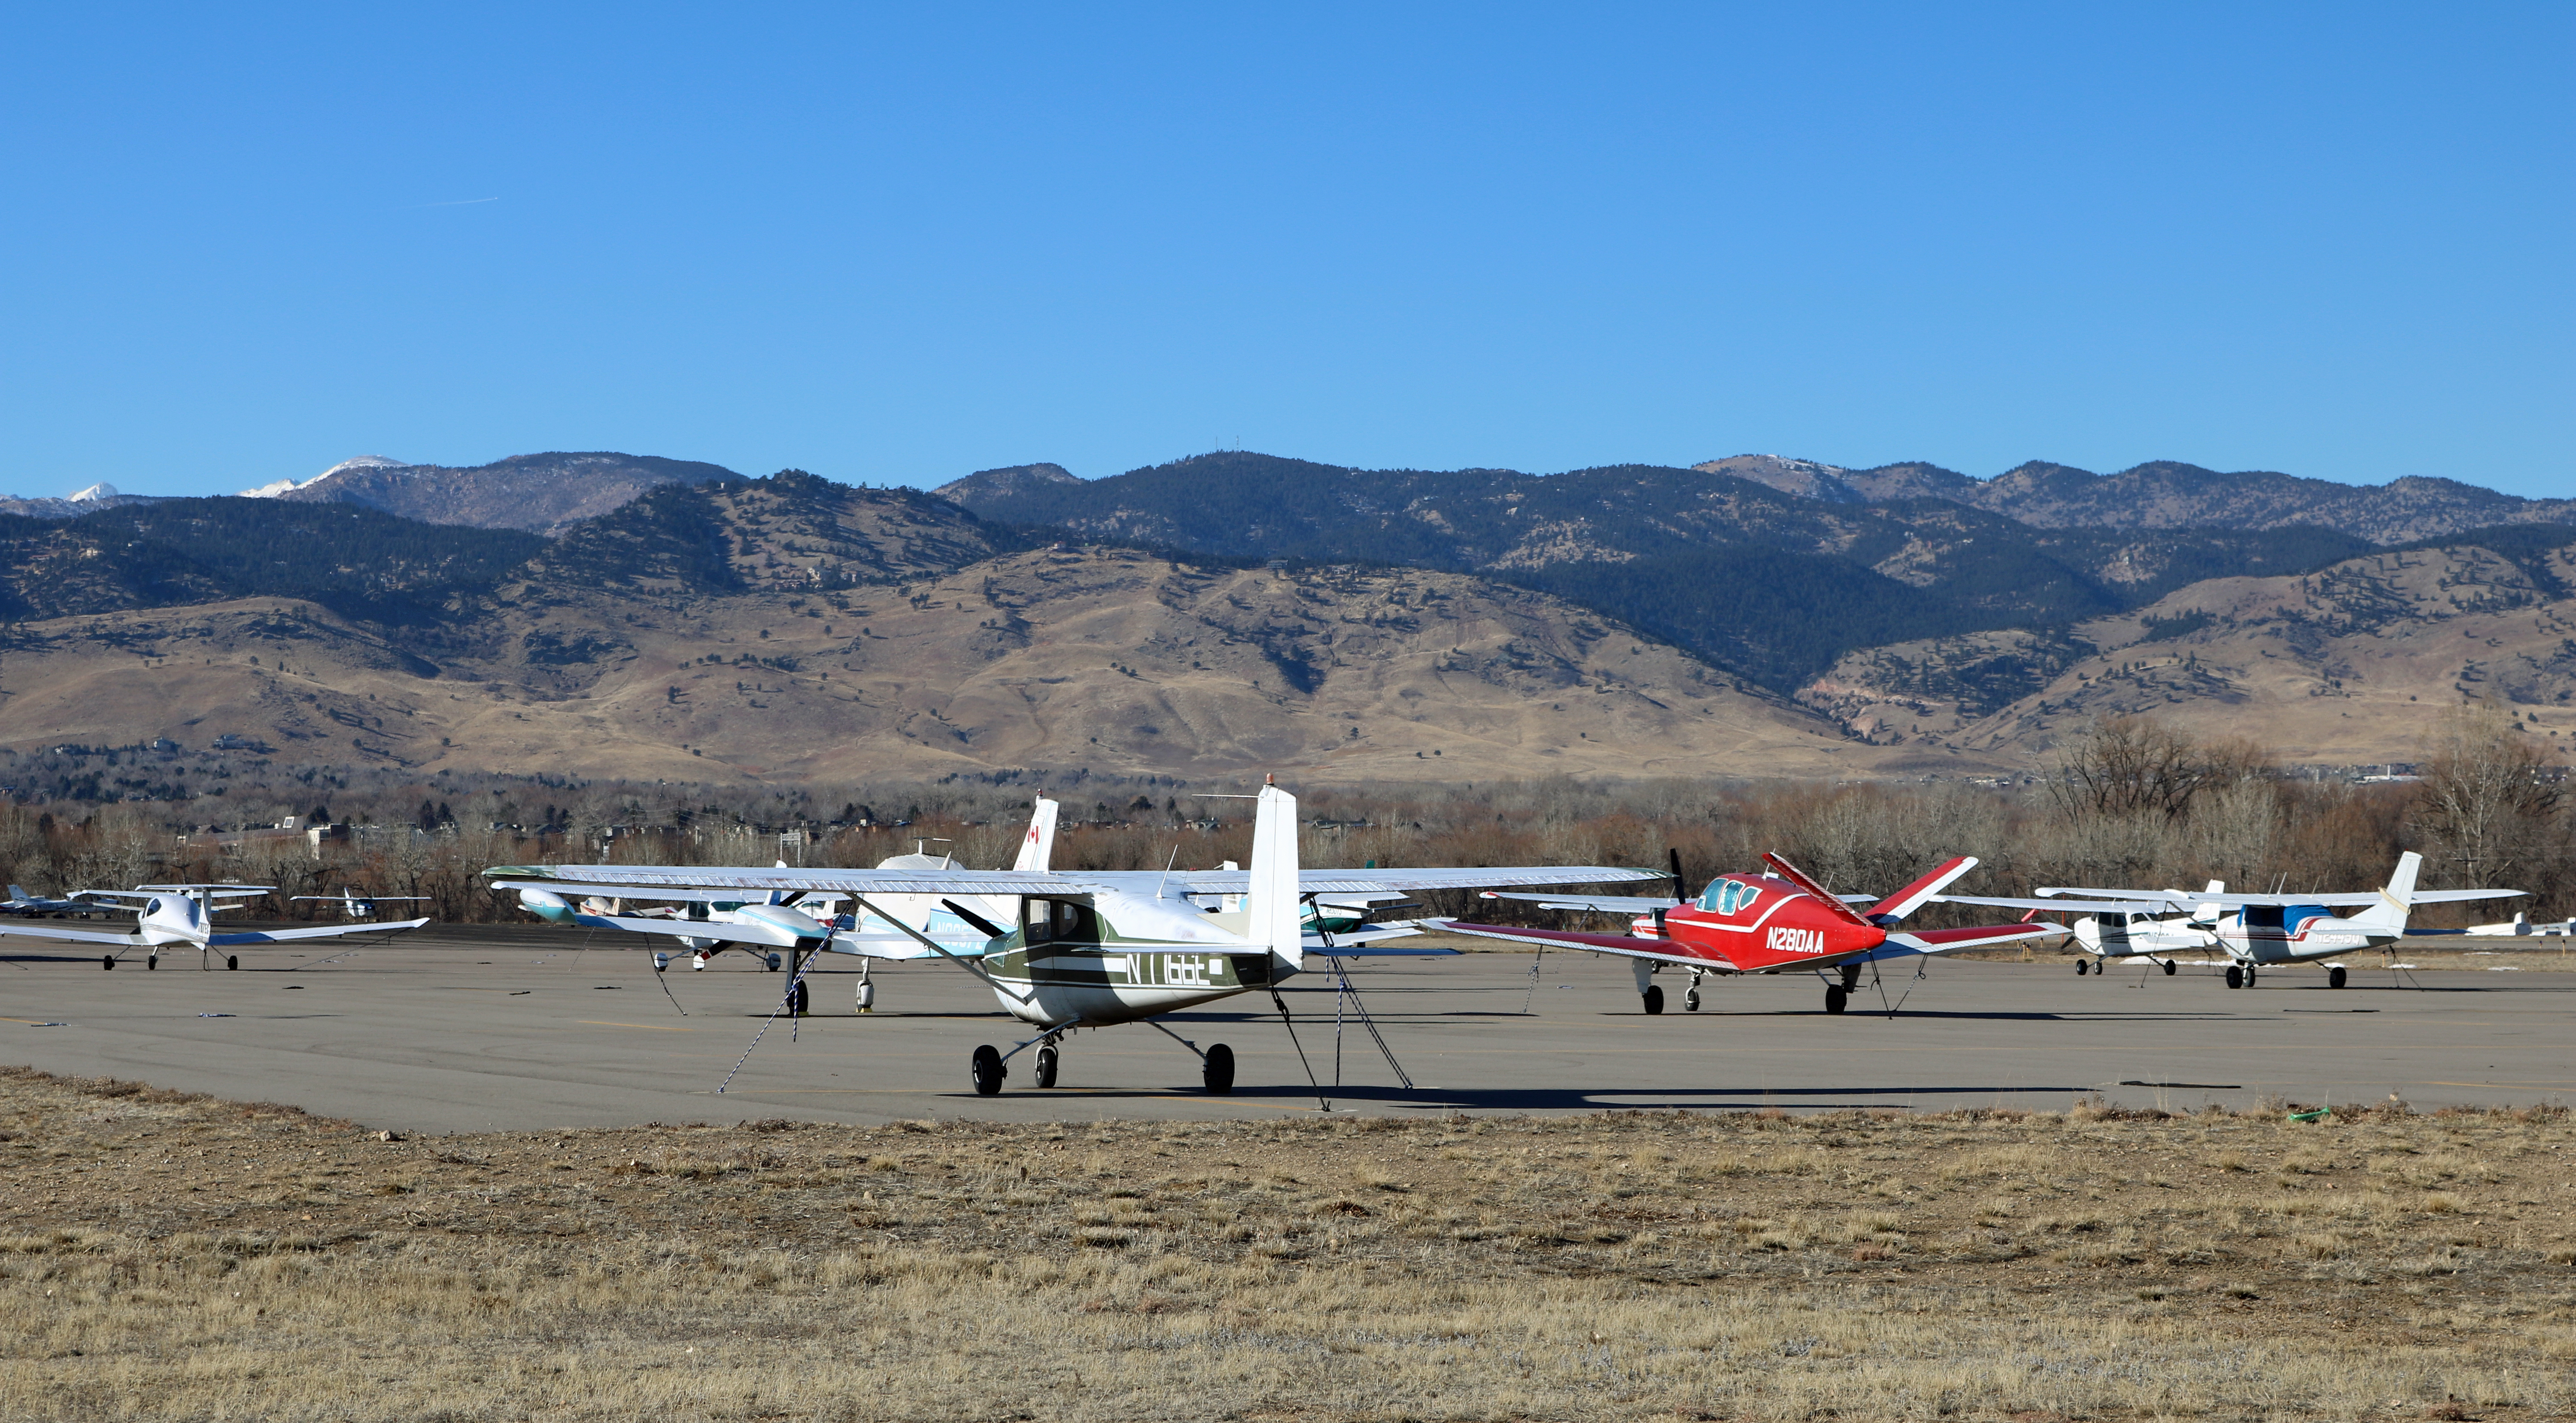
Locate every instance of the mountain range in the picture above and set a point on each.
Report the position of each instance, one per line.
(607, 614)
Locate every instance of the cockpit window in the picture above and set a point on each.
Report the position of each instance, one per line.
(1727, 896)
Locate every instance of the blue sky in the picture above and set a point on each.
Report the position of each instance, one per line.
(898, 245)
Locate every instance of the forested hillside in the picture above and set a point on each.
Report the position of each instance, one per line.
(1772, 584)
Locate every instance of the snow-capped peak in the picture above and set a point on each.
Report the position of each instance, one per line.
(283, 486)
(95, 494)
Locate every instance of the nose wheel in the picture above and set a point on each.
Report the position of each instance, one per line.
(1047, 1063)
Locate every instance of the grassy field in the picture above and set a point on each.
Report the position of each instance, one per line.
(173, 1257)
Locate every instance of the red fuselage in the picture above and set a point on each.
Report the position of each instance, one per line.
(1750, 923)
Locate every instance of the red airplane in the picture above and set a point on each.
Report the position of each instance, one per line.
(1762, 923)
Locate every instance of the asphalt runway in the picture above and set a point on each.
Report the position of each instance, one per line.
(472, 1029)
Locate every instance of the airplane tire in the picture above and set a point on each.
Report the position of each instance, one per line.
(1219, 1072)
(232, 961)
(2083, 967)
(2334, 977)
(867, 996)
(2235, 976)
(1690, 1001)
(988, 1071)
(773, 963)
(2249, 975)
(108, 962)
(796, 999)
(1836, 997)
(1654, 997)
(2169, 968)
(1047, 1063)
(151, 962)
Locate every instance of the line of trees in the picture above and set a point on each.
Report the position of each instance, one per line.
(2131, 803)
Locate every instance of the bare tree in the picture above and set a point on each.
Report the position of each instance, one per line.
(2483, 811)
(2129, 765)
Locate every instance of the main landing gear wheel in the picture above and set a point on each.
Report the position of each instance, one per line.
(1654, 996)
(1836, 997)
(2169, 968)
(988, 1071)
(2249, 975)
(2235, 976)
(1047, 1061)
(1219, 1072)
(1690, 1001)
(2334, 977)
(796, 1000)
(151, 962)
(867, 996)
(232, 961)
(773, 963)
(2083, 967)
(108, 962)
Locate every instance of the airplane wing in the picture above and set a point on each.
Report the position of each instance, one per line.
(1595, 903)
(749, 931)
(1365, 881)
(77, 936)
(2188, 898)
(1944, 941)
(729, 883)
(326, 931)
(1625, 944)
(2075, 906)
(1624, 904)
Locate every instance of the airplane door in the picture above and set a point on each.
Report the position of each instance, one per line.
(2267, 938)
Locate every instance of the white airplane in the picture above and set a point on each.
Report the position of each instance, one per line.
(1091, 948)
(22, 902)
(182, 916)
(2520, 926)
(354, 905)
(2255, 931)
(891, 928)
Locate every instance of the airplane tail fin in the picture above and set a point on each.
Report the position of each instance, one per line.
(2389, 914)
(1271, 900)
(1905, 901)
(19, 891)
(1038, 847)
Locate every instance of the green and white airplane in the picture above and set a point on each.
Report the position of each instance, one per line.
(1092, 948)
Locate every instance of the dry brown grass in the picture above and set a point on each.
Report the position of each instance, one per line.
(172, 1257)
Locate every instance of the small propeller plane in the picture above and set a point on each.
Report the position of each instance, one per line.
(354, 905)
(182, 916)
(22, 902)
(1090, 949)
(813, 922)
(2256, 931)
(1763, 923)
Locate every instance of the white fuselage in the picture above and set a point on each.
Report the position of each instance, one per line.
(1115, 957)
(2256, 935)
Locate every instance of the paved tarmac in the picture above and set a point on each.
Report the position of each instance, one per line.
(470, 1029)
